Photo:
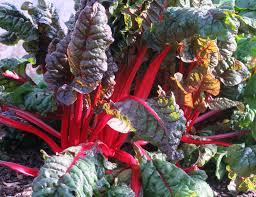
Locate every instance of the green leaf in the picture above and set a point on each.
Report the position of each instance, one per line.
(75, 172)
(120, 191)
(242, 160)
(198, 174)
(224, 4)
(220, 166)
(164, 133)
(248, 4)
(15, 22)
(206, 152)
(9, 38)
(41, 101)
(45, 16)
(246, 49)
(250, 92)
(164, 179)
(220, 24)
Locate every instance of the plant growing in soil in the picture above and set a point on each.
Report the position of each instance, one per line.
(133, 86)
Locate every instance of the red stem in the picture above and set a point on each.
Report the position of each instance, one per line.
(13, 75)
(85, 127)
(65, 127)
(19, 168)
(30, 129)
(228, 135)
(123, 86)
(100, 126)
(150, 75)
(29, 117)
(78, 117)
(189, 140)
(71, 136)
(191, 168)
(207, 115)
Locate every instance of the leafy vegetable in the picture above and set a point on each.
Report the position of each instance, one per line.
(165, 131)
(242, 160)
(76, 172)
(161, 178)
(122, 191)
(18, 26)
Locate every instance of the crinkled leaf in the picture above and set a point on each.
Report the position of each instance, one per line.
(45, 16)
(164, 179)
(233, 92)
(17, 24)
(221, 103)
(120, 191)
(164, 133)
(232, 72)
(41, 101)
(245, 119)
(87, 48)
(174, 28)
(242, 160)
(9, 38)
(77, 171)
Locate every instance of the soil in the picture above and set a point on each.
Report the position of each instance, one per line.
(13, 184)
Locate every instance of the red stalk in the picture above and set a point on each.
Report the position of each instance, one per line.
(100, 126)
(193, 119)
(81, 153)
(124, 84)
(131, 161)
(30, 129)
(65, 127)
(150, 75)
(207, 115)
(191, 168)
(140, 150)
(13, 75)
(19, 168)
(228, 135)
(71, 137)
(78, 118)
(29, 117)
(189, 140)
(86, 121)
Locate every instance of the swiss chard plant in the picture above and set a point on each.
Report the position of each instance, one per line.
(144, 93)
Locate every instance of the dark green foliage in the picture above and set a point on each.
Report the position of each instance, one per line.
(166, 136)
(76, 172)
(164, 179)
(18, 27)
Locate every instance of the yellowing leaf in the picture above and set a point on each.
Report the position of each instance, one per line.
(127, 21)
(207, 52)
(139, 21)
(210, 85)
